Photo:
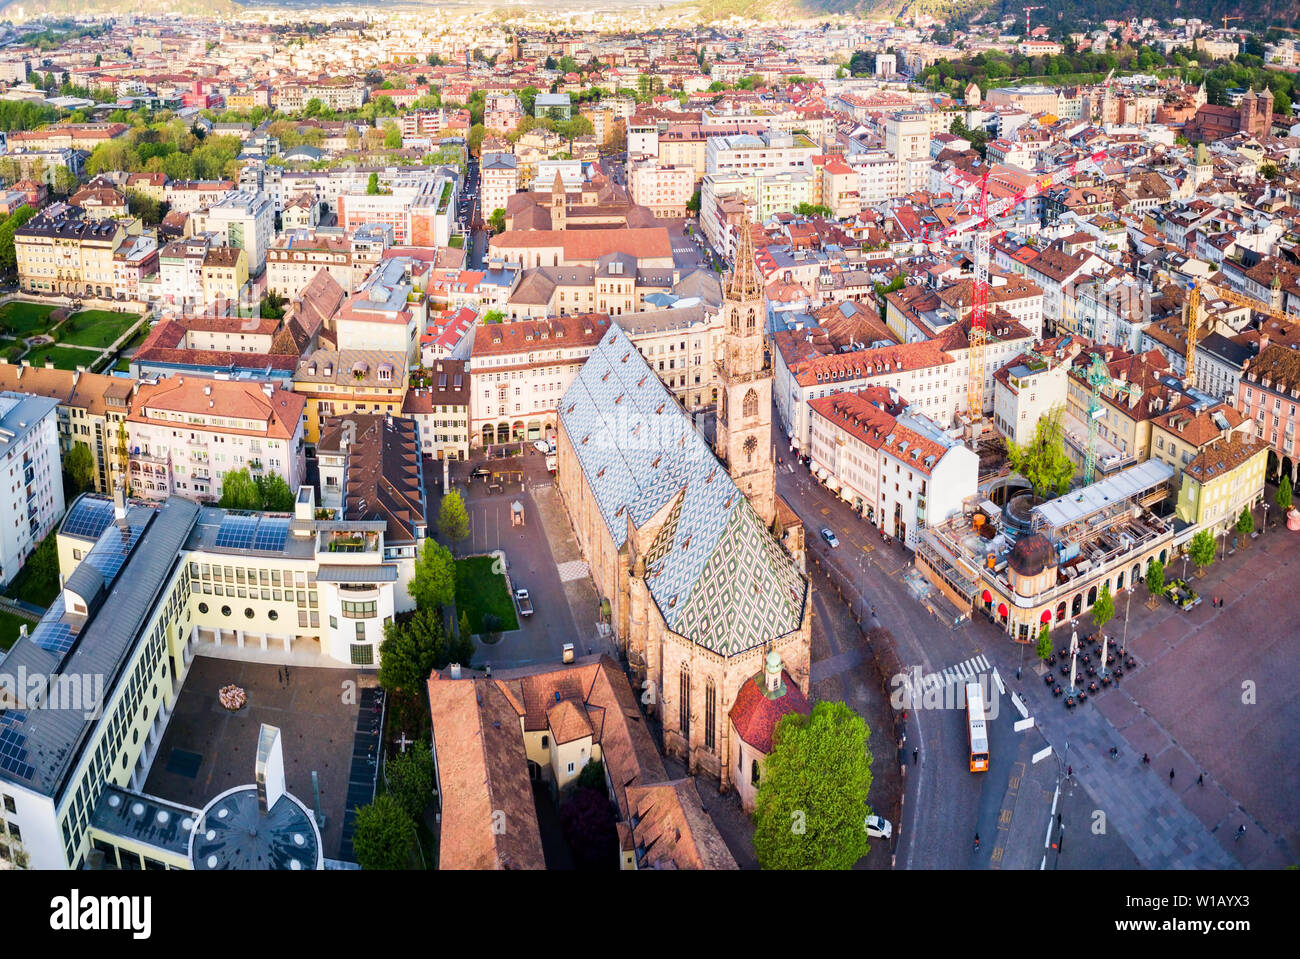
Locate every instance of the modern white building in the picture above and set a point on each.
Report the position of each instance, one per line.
(183, 580)
(31, 477)
(244, 220)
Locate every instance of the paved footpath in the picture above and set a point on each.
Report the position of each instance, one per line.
(1161, 831)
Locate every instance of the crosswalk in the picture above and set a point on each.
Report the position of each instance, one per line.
(962, 672)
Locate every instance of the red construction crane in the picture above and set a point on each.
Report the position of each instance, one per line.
(1028, 11)
(986, 213)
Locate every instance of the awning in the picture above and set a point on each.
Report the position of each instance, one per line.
(385, 573)
(987, 597)
(1046, 617)
(1002, 609)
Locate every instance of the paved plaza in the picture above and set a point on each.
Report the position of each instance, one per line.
(207, 749)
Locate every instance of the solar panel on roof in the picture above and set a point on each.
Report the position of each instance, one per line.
(54, 637)
(271, 533)
(237, 532)
(111, 552)
(88, 518)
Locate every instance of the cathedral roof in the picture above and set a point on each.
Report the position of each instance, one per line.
(755, 714)
(716, 573)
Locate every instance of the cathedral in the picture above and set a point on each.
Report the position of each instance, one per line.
(700, 561)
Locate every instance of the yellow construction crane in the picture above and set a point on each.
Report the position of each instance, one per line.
(1226, 19)
(1193, 317)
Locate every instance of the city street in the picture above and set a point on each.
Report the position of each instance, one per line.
(1181, 658)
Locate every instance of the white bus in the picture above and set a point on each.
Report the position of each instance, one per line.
(978, 732)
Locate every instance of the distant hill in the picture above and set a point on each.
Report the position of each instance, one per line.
(1278, 13)
(22, 10)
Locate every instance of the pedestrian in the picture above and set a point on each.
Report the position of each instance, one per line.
(1171, 775)
(1146, 760)
(915, 752)
(1200, 780)
(1017, 674)
(1069, 772)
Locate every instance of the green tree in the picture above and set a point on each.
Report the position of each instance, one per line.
(65, 181)
(474, 141)
(592, 775)
(434, 582)
(1155, 578)
(1245, 522)
(1103, 611)
(693, 204)
(812, 209)
(8, 256)
(273, 305)
(384, 835)
(410, 778)
(414, 645)
(452, 518)
(464, 653)
(1043, 461)
(79, 464)
(811, 801)
(238, 491)
(497, 221)
(1283, 495)
(372, 185)
(393, 137)
(1044, 647)
(275, 492)
(1201, 549)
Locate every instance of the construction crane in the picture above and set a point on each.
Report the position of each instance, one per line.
(1193, 317)
(1226, 19)
(1028, 11)
(1098, 376)
(985, 213)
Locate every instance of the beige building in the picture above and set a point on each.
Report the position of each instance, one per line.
(61, 253)
(92, 412)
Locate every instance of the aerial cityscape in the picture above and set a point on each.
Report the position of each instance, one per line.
(723, 435)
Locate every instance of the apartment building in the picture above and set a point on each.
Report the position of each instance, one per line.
(58, 252)
(665, 190)
(518, 372)
(92, 410)
(242, 220)
(338, 382)
(190, 196)
(31, 477)
(499, 173)
(1268, 393)
(439, 404)
(900, 473)
(747, 153)
(184, 433)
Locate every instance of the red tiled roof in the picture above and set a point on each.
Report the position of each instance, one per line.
(755, 716)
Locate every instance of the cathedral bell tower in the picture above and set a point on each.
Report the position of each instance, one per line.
(744, 431)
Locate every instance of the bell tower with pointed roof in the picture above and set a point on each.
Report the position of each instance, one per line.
(744, 427)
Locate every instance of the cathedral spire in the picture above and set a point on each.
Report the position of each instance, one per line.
(744, 283)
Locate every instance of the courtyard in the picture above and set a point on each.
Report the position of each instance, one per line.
(207, 749)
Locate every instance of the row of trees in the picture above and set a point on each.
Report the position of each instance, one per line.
(8, 256)
(241, 491)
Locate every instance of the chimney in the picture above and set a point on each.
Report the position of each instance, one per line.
(119, 506)
(454, 670)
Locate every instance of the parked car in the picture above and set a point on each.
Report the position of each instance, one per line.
(831, 540)
(544, 446)
(524, 602)
(480, 472)
(879, 828)
(1180, 594)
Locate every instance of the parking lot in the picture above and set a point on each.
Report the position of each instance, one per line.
(541, 556)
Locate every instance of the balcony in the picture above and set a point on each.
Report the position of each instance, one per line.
(358, 542)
